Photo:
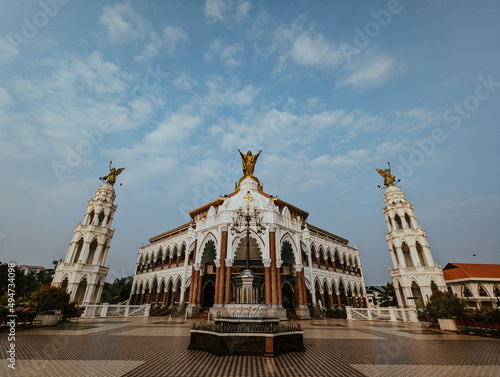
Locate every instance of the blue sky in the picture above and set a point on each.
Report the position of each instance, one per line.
(328, 90)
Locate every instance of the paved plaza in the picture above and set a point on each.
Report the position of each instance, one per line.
(157, 346)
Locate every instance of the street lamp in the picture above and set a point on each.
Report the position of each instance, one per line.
(244, 218)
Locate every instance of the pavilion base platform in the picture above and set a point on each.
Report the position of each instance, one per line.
(245, 336)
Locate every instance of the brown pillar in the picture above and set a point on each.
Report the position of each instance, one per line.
(169, 261)
(322, 294)
(272, 249)
(162, 263)
(217, 283)
(142, 298)
(200, 284)
(278, 282)
(267, 281)
(227, 293)
(222, 276)
(194, 286)
(354, 301)
(364, 302)
(338, 301)
(330, 299)
(326, 262)
(317, 260)
(172, 298)
(157, 297)
(304, 289)
(301, 289)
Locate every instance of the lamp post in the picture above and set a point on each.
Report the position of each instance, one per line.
(245, 219)
(247, 283)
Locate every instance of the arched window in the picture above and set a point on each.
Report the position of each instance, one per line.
(101, 218)
(159, 257)
(482, 291)
(420, 253)
(79, 246)
(407, 255)
(337, 259)
(393, 250)
(434, 286)
(466, 292)
(399, 224)
(91, 218)
(408, 220)
(209, 252)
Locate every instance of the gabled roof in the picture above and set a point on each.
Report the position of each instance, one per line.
(455, 271)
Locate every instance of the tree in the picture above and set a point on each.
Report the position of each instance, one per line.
(389, 296)
(118, 291)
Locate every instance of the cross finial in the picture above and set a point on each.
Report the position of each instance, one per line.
(248, 197)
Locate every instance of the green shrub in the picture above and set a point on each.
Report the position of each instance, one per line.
(444, 305)
(49, 299)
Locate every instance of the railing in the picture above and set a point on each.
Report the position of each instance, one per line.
(382, 314)
(246, 327)
(110, 311)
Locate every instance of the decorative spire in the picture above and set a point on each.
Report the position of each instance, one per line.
(113, 173)
(388, 177)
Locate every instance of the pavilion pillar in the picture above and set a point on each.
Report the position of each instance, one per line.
(267, 279)
(364, 302)
(322, 294)
(162, 263)
(272, 249)
(227, 286)
(142, 298)
(170, 261)
(317, 261)
(157, 297)
(338, 301)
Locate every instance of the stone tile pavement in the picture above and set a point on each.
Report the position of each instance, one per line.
(157, 346)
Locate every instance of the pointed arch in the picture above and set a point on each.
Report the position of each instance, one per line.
(399, 223)
(481, 290)
(78, 247)
(408, 220)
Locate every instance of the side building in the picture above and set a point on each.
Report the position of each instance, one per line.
(298, 264)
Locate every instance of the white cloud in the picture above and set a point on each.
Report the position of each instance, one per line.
(225, 53)
(370, 69)
(7, 50)
(173, 36)
(220, 95)
(315, 51)
(123, 22)
(184, 81)
(150, 51)
(218, 10)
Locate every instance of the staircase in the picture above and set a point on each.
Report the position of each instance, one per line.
(203, 314)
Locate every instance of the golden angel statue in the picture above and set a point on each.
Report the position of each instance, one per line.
(388, 177)
(249, 162)
(113, 173)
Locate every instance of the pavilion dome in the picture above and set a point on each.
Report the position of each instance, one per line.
(106, 192)
(394, 194)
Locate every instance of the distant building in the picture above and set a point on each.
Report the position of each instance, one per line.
(479, 284)
(27, 269)
(374, 295)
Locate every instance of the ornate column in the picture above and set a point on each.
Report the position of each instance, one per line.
(223, 254)
(330, 298)
(338, 300)
(298, 269)
(278, 281)
(172, 298)
(272, 249)
(217, 281)
(170, 260)
(322, 294)
(194, 283)
(267, 275)
(227, 294)
(200, 284)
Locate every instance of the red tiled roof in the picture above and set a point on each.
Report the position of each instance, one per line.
(454, 271)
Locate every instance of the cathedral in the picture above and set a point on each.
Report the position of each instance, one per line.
(248, 247)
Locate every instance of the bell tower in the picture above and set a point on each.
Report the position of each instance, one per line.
(415, 275)
(83, 271)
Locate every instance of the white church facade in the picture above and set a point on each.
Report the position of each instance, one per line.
(296, 264)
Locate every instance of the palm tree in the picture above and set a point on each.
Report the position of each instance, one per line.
(389, 296)
(117, 291)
